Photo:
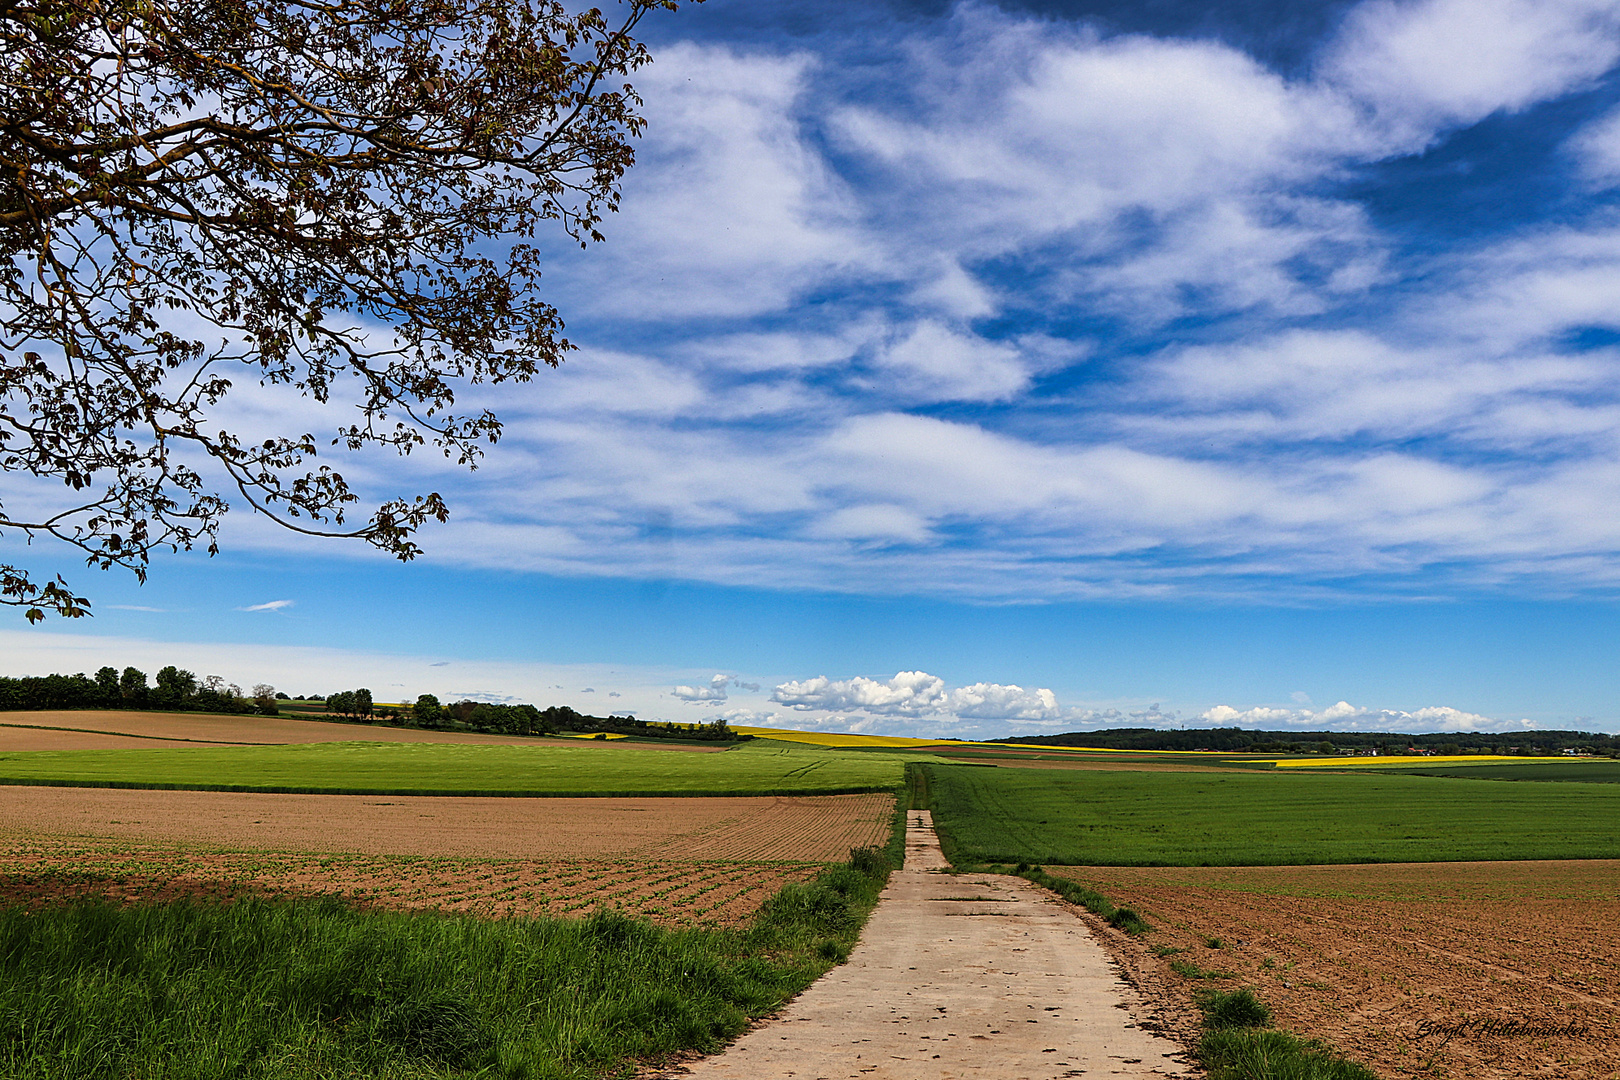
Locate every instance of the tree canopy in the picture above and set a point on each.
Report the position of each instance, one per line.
(336, 200)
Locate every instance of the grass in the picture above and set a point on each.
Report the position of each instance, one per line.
(563, 769)
(317, 988)
(1261, 818)
(1238, 1044)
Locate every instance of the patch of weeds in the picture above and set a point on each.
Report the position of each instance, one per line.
(1240, 1044)
(1167, 950)
(1214, 943)
(1233, 1009)
(1188, 970)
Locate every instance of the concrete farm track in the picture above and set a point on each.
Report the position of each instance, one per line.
(958, 976)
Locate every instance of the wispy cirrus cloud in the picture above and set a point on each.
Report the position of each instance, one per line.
(1084, 314)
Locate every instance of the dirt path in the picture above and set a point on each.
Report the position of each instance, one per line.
(958, 976)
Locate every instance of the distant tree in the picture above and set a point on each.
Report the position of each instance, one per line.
(107, 686)
(427, 712)
(175, 688)
(132, 687)
(264, 699)
(362, 703)
(341, 703)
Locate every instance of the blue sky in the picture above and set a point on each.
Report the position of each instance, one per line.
(976, 369)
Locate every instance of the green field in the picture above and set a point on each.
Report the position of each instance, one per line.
(1262, 819)
(1583, 772)
(454, 769)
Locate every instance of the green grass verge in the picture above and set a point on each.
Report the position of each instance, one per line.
(1238, 1044)
(312, 989)
(1270, 818)
(453, 769)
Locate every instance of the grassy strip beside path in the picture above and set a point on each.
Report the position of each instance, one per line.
(298, 990)
(456, 769)
(1262, 819)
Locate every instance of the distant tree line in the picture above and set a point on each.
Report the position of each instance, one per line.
(1239, 740)
(176, 690)
(527, 720)
(716, 730)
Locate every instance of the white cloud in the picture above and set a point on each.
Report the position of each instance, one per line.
(935, 363)
(873, 521)
(712, 694)
(272, 605)
(751, 718)
(728, 211)
(909, 693)
(1596, 148)
(918, 694)
(994, 701)
(1428, 65)
(1344, 716)
(1138, 168)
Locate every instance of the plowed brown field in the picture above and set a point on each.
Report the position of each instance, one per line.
(1484, 971)
(820, 828)
(669, 892)
(94, 729)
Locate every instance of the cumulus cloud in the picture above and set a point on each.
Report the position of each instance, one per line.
(908, 693)
(1344, 716)
(749, 718)
(919, 694)
(712, 694)
(995, 701)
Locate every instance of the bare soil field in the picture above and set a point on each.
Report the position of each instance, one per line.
(96, 729)
(669, 892)
(1485, 971)
(819, 828)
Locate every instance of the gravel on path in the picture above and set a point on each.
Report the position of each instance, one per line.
(958, 976)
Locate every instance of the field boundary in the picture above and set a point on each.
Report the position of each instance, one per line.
(458, 793)
(131, 735)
